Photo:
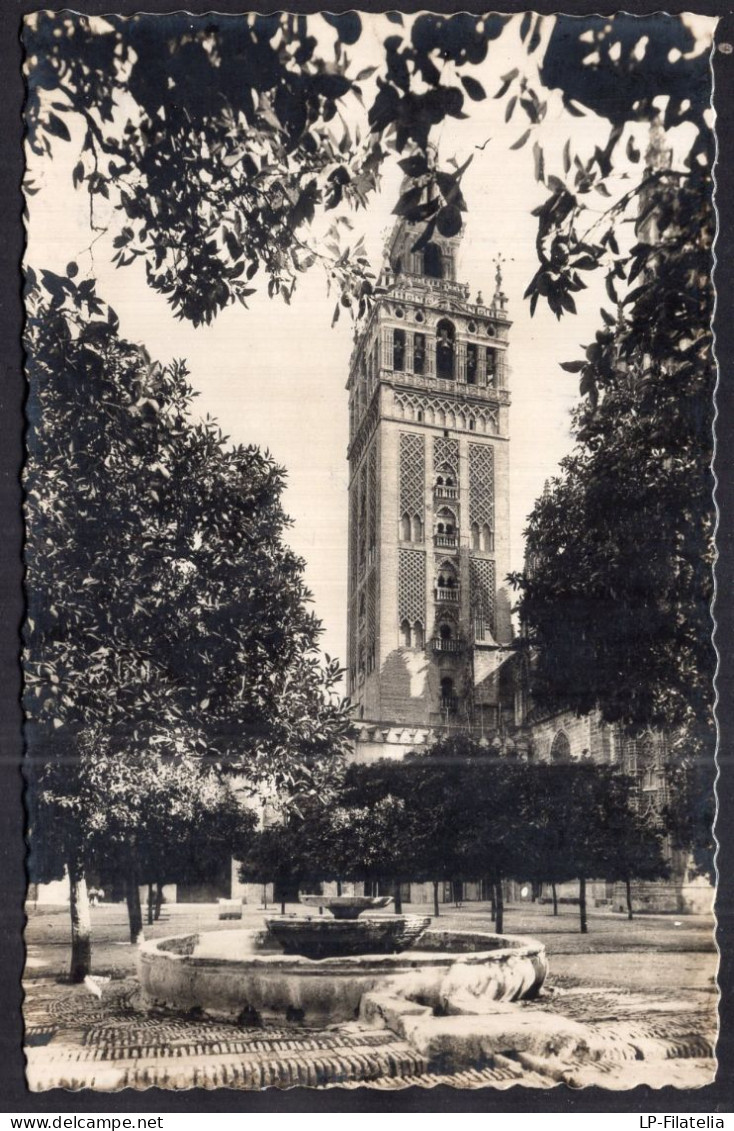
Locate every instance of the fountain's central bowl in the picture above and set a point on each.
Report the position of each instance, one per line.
(346, 934)
(346, 906)
(336, 938)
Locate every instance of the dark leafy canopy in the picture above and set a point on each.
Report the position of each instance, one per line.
(167, 618)
(620, 548)
(161, 820)
(238, 133)
(234, 131)
(294, 851)
(457, 812)
(616, 597)
(625, 69)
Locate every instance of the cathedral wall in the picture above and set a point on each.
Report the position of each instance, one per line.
(585, 736)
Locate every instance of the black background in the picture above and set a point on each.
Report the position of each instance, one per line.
(14, 1097)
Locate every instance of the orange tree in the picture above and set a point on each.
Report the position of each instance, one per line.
(168, 636)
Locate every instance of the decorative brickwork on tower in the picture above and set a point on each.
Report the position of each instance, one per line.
(481, 486)
(412, 586)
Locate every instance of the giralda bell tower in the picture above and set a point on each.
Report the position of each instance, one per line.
(429, 612)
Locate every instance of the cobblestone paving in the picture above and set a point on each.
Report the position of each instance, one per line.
(75, 1040)
(78, 1041)
(650, 1026)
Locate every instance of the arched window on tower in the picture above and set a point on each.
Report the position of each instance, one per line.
(405, 527)
(475, 541)
(398, 350)
(471, 364)
(447, 584)
(417, 529)
(491, 366)
(433, 261)
(418, 636)
(445, 525)
(445, 335)
(419, 354)
(487, 539)
(405, 636)
(444, 484)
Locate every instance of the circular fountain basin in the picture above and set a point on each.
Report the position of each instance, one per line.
(241, 976)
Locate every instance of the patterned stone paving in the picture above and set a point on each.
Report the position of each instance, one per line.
(663, 1026)
(76, 1040)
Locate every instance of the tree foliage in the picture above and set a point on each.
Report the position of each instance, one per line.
(617, 591)
(165, 611)
(457, 812)
(217, 139)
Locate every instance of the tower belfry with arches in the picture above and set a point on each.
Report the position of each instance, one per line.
(428, 612)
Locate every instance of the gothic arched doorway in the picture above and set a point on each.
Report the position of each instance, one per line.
(560, 748)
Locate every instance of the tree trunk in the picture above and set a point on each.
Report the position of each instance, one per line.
(582, 905)
(134, 910)
(158, 900)
(282, 907)
(397, 898)
(81, 925)
(554, 893)
(492, 903)
(151, 905)
(435, 898)
(628, 891)
(499, 905)
(338, 887)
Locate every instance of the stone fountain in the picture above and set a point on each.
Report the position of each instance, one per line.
(319, 971)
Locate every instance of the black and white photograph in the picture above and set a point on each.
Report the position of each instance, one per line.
(368, 675)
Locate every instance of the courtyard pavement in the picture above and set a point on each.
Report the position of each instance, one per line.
(649, 984)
